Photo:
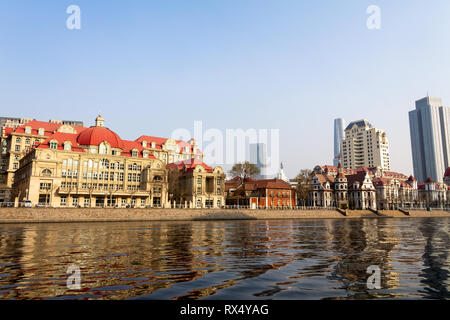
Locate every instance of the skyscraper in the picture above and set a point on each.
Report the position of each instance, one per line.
(429, 127)
(339, 125)
(258, 156)
(365, 146)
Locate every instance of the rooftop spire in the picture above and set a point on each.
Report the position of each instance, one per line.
(99, 121)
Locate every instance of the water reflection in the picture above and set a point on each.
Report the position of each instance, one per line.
(306, 259)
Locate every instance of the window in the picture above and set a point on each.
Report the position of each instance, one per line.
(67, 146)
(53, 145)
(15, 166)
(27, 141)
(157, 190)
(28, 130)
(218, 191)
(41, 131)
(44, 186)
(157, 178)
(103, 148)
(134, 153)
(17, 148)
(64, 162)
(219, 181)
(18, 140)
(87, 202)
(46, 173)
(199, 180)
(199, 203)
(199, 190)
(75, 201)
(63, 201)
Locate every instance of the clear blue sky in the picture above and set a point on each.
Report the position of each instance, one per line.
(288, 64)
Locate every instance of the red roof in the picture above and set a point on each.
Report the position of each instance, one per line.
(49, 128)
(190, 165)
(160, 141)
(96, 135)
(61, 137)
(447, 172)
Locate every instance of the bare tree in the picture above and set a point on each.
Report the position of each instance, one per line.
(304, 179)
(244, 170)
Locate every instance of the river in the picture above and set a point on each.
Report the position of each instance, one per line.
(277, 259)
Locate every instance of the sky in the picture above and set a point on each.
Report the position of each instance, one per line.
(151, 67)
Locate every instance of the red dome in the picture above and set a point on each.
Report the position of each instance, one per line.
(96, 135)
(447, 172)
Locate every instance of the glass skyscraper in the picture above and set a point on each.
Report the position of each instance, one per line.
(339, 125)
(429, 127)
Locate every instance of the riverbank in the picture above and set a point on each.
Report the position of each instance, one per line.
(41, 215)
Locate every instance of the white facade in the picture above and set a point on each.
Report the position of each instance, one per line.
(430, 139)
(365, 146)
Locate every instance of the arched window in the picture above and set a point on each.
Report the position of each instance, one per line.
(46, 173)
(53, 145)
(103, 148)
(18, 140)
(157, 178)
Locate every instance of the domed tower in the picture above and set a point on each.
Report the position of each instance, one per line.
(340, 188)
(99, 121)
(101, 137)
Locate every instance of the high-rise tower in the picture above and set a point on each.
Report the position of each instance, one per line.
(339, 125)
(429, 128)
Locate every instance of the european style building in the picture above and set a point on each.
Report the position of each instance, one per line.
(62, 165)
(374, 188)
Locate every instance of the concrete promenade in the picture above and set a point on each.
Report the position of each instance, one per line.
(41, 215)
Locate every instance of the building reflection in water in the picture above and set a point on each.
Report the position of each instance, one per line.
(436, 260)
(312, 259)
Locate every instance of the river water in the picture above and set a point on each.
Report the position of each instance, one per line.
(282, 259)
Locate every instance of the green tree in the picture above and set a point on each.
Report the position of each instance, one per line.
(244, 170)
(304, 180)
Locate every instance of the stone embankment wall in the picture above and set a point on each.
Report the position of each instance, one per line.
(25, 215)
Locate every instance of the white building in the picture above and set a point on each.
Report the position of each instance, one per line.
(365, 146)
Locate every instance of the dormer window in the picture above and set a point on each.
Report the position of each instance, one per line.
(103, 148)
(153, 145)
(134, 153)
(186, 149)
(54, 145)
(28, 130)
(145, 154)
(67, 146)
(41, 131)
(144, 144)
